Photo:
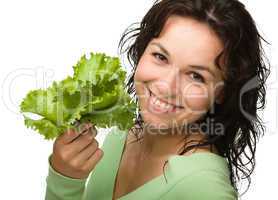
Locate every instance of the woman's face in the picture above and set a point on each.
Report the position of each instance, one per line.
(176, 79)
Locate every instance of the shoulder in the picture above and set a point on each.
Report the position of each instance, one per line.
(202, 175)
(204, 184)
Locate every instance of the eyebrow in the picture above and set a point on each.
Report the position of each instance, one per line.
(198, 67)
(160, 47)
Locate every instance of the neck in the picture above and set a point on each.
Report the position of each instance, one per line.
(159, 143)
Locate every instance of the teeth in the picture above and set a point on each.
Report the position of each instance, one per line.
(162, 104)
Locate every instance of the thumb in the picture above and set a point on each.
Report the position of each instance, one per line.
(73, 133)
(68, 136)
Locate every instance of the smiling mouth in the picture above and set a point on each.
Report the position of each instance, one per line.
(161, 105)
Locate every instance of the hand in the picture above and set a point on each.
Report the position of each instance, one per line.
(76, 153)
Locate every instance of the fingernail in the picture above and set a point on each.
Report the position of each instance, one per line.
(89, 124)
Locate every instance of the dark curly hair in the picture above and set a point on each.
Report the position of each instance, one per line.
(247, 69)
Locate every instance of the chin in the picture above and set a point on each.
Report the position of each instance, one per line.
(155, 123)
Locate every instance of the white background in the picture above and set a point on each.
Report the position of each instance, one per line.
(50, 36)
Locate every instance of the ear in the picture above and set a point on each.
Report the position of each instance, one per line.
(219, 96)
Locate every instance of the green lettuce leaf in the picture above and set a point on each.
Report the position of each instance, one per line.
(95, 93)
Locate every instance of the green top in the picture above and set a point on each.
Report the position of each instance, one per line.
(201, 175)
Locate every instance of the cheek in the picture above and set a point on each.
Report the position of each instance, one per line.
(146, 69)
(196, 98)
(142, 75)
(139, 79)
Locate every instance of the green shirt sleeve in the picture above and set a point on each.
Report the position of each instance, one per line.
(60, 187)
(206, 184)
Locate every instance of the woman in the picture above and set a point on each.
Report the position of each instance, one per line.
(198, 74)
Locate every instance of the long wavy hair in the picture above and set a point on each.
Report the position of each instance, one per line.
(247, 69)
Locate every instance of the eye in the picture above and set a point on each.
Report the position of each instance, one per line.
(198, 77)
(159, 56)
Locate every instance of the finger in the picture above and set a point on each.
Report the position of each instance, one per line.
(71, 134)
(87, 152)
(92, 130)
(68, 136)
(84, 126)
(93, 160)
(81, 142)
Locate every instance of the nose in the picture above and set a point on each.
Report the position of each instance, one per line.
(168, 86)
